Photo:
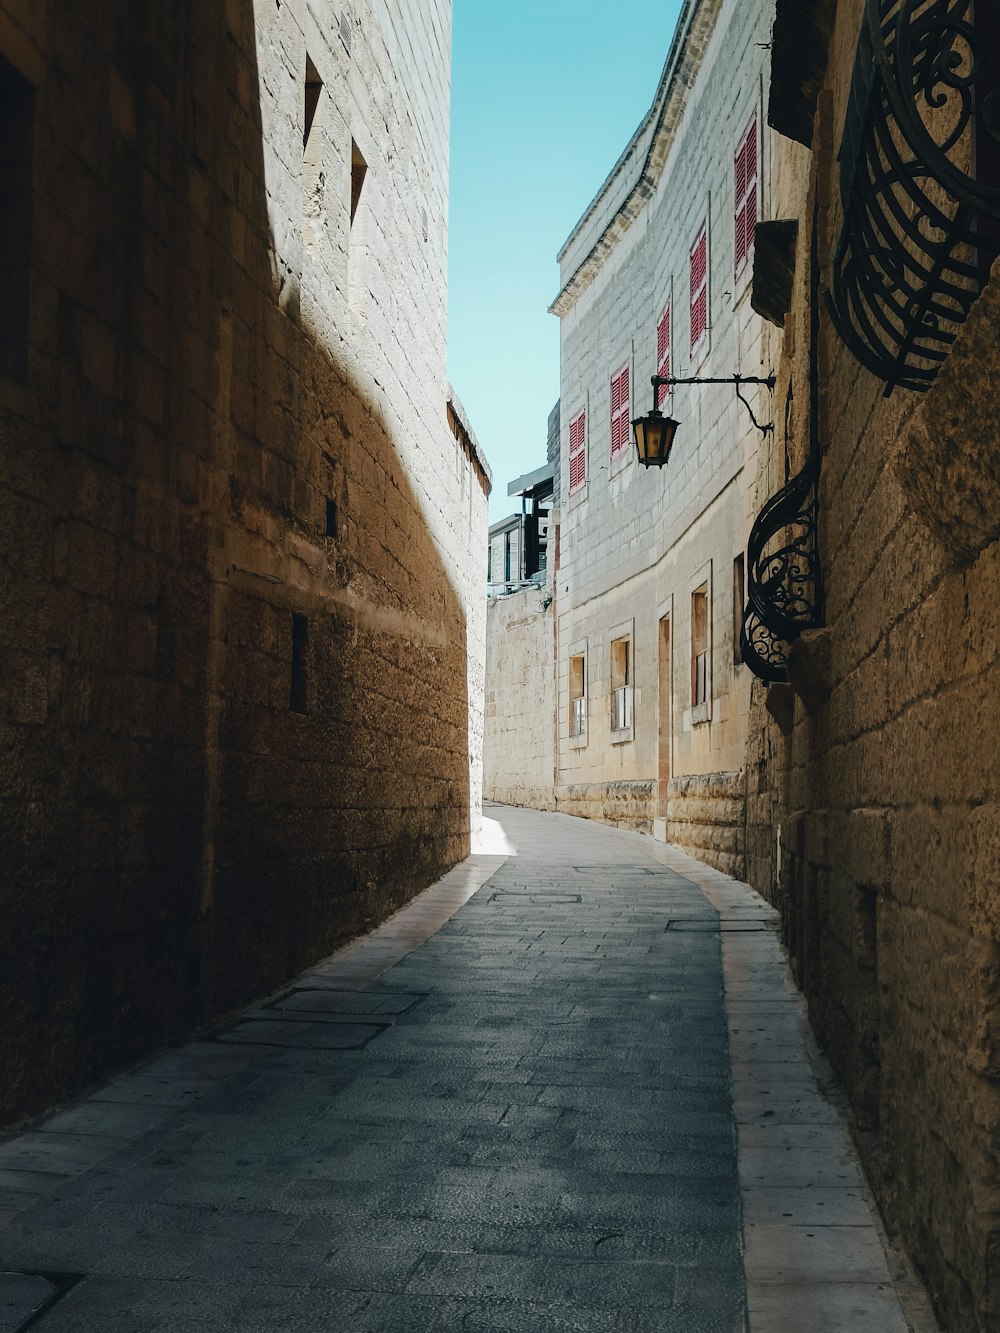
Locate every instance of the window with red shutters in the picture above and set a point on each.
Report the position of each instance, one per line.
(699, 289)
(621, 407)
(663, 355)
(745, 193)
(577, 452)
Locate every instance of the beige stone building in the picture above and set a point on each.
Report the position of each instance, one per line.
(244, 517)
(874, 815)
(652, 696)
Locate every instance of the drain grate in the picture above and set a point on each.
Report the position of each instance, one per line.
(308, 1033)
(698, 926)
(28, 1295)
(537, 899)
(318, 1000)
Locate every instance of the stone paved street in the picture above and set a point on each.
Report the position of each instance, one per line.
(524, 1122)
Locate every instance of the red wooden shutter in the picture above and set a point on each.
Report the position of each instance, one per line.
(745, 195)
(577, 452)
(620, 410)
(663, 355)
(699, 289)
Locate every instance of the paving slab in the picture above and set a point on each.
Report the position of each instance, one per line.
(565, 1089)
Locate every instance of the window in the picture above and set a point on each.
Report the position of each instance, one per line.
(358, 234)
(578, 696)
(621, 685)
(738, 608)
(506, 557)
(620, 411)
(314, 87)
(359, 170)
(699, 289)
(577, 452)
(331, 518)
(663, 355)
(299, 698)
(17, 111)
(699, 646)
(745, 194)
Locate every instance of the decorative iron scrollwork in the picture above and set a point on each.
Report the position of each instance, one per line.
(784, 582)
(784, 575)
(918, 183)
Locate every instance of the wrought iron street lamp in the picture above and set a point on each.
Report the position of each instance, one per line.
(654, 433)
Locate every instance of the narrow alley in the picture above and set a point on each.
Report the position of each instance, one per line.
(514, 1106)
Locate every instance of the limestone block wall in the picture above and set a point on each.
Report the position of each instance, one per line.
(706, 817)
(242, 654)
(518, 746)
(873, 812)
(636, 545)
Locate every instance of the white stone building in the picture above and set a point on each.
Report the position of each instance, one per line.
(652, 697)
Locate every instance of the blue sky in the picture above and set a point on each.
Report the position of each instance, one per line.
(545, 95)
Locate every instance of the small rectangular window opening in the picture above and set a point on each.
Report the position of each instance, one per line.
(577, 695)
(621, 684)
(299, 699)
(738, 607)
(699, 646)
(314, 87)
(331, 518)
(17, 114)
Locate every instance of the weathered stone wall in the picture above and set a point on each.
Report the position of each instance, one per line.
(630, 805)
(706, 817)
(636, 544)
(874, 811)
(518, 747)
(216, 352)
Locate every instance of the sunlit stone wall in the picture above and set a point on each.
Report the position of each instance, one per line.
(636, 545)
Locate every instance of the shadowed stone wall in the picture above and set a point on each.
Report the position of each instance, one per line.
(243, 552)
(874, 790)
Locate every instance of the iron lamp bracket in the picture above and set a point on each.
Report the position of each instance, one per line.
(668, 381)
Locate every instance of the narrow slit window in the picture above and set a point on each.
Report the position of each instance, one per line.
(17, 114)
(299, 699)
(739, 605)
(331, 518)
(314, 87)
(359, 170)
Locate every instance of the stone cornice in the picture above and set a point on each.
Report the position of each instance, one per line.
(694, 30)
